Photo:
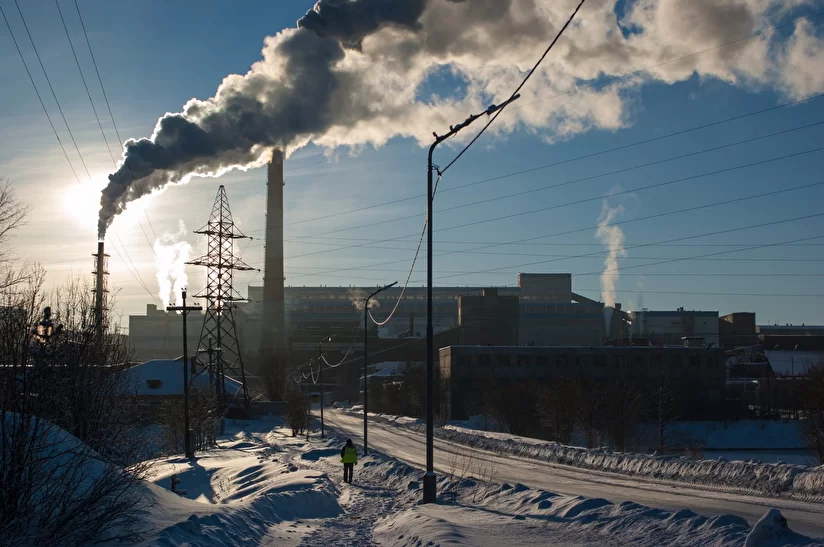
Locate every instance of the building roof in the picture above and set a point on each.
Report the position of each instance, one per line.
(164, 377)
(789, 362)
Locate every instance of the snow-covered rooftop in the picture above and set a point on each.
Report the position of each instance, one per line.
(789, 362)
(165, 377)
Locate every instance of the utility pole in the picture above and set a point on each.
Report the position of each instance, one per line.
(366, 361)
(184, 310)
(429, 482)
(320, 379)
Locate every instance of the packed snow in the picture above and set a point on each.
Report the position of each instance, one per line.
(775, 479)
(261, 486)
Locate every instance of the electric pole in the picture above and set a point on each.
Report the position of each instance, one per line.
(429, 483)
(366, 360)
(320, 379)
(184, 310)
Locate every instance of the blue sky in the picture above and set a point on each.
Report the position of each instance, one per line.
(153, 57)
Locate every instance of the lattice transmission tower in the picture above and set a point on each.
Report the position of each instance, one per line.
(219, 348)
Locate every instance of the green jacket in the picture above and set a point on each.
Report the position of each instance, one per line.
(349, 454)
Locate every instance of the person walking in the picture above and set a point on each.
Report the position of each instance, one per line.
(349, 458)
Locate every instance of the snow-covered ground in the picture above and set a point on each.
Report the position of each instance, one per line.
(750, 476)
(407, 444)
(261, 486)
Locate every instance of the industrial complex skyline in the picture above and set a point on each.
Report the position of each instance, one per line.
(720, 218)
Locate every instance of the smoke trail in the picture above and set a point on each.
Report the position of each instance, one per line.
(172, 254)
(352, 72)
(613, 238)
(357, 298)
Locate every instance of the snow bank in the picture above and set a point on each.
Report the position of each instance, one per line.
(518, 515)
(772, 479)
(237, 494)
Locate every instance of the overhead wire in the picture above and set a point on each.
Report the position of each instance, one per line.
(408, 276)
(39, 97)
(579, 180)
(511, 97)
(45, 110)
(54, 95)
(612, 78)
(108, 106)
(595, 227)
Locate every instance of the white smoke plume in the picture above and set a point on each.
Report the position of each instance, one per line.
(358, 296)
(350, 74)
(613, 239)
(172, 254)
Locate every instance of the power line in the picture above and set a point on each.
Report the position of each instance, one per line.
(45, 111)
(54, 95)
(85, 85)
(511, 97)
(585, 179)
(618, 223)
(108, 106)
(653, 139)
(685, 238)
(39, 97)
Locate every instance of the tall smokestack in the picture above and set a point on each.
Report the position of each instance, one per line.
(273, 339)
(100, 272)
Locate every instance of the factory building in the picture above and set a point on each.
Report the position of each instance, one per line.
(541, 311)
(676, 327)
(469, 372)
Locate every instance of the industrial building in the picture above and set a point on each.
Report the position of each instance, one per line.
(469, 372)
(541, 311)
(676, 327)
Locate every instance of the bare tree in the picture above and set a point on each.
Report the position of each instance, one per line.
(623, 411)
(591, 399)
(514, 406)
(667, 405)
(812, 400)
(13, 214)
(69, 440)
(297, 411)
(204, 407)
(557, 405)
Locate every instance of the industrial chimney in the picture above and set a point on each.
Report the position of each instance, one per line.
(100, 272)
(273, 338)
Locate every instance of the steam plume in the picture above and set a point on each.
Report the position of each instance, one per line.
(613, 239)
(172, 254)
(351, 72)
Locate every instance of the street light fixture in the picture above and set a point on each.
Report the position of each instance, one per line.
(429, 482)
(320, 379)
(366, 360)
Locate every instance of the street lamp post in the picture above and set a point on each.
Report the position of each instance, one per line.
(184, 309)
(429, 482)
(320, 379)
(366, 361)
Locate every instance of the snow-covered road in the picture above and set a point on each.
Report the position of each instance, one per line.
(408, 446)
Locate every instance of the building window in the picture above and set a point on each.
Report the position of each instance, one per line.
(639, 360)
(695, 361)
(154, 384)
(523, 360)
(503, 360)
(582, 360)
(542, 361)
(618, 360)
(562, 360)
(600, 360)
(484, 361)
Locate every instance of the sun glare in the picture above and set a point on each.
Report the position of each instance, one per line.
(82, 202)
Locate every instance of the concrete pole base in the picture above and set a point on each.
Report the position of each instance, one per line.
(430, 494)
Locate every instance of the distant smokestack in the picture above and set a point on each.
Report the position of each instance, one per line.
(100, 272)
(273, 339)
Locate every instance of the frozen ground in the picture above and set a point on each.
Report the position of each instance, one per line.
(264, 487)
(707, 500)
